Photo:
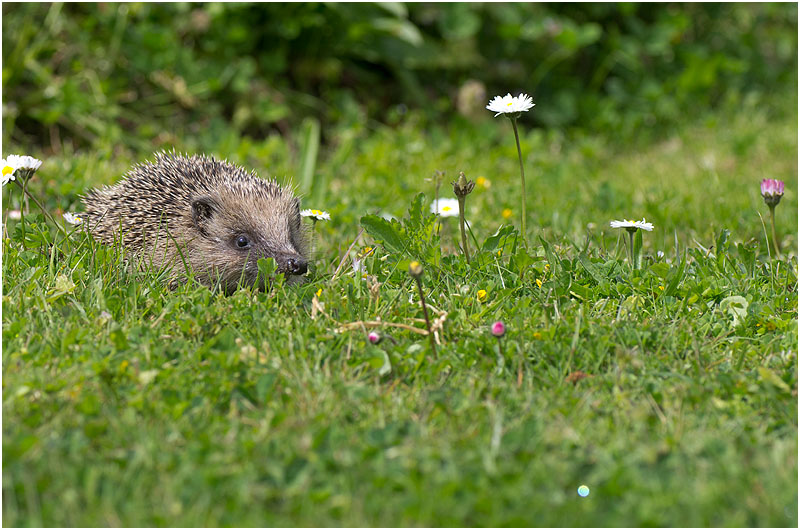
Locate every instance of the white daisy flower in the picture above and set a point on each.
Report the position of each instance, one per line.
(445, 207)
(317, 215)
(633, 225)
(73, 219)
(509, 104)
(18, 163)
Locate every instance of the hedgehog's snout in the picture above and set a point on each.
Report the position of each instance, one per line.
(292, 264)
(297, 266)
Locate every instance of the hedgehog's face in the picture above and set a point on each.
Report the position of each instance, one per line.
(235, 232)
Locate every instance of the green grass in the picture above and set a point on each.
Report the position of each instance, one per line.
(125, 403)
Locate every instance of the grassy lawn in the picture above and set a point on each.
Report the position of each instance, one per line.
(125, 403)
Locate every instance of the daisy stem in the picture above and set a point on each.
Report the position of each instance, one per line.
(630, 248)
(22, 210)
(27, 193)
(313, 232)
(522, 175)
(500, 348)
(774, 237)
(425, 312)
(461, 202)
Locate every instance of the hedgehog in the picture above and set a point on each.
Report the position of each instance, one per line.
(196, 212)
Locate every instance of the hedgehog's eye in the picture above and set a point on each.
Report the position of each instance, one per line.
(242, 242)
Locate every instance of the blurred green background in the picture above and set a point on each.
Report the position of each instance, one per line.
(143, 76)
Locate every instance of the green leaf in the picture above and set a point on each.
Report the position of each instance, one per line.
(382, 230)
(400, 28)
(660, 269)
(736, 306)
(579, 291)
(554, 262)
(674, 278)
(491, 242)
(590, 267)
(386, 367)
(267, 267)
(416, 212)
(397, 9)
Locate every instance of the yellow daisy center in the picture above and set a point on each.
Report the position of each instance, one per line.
(316, 212)
(446, 208)
(509, 103)
(7, 170)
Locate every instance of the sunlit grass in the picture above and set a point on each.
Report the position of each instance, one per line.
(125, 403)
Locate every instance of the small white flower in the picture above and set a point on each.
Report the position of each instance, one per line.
(643, 224)
(445, 207)
(317, 215)
(73, 219)
(14, 163)
(509, 104)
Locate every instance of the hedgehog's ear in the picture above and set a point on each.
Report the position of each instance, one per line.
(202, 211)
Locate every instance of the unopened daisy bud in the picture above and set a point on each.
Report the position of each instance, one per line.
(415, 269)
(462, 187)
(373, 337)
(498, 329)
(772, 191)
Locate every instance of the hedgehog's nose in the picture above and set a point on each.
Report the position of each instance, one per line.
(297, 266)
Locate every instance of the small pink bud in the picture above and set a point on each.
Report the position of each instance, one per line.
(498, 329)
(772, 191)
(373, 337)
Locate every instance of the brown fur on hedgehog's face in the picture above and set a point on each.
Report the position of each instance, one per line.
(234, 232)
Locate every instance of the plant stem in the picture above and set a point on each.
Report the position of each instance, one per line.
(774, 237)
(500, 356)
(26, 193)
(461, 202)
(630, 249)
(522, 175)
(22, 211)
(437, 177)
(425, 312)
